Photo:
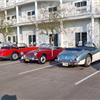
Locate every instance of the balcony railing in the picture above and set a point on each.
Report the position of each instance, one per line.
(97, 9)
(43, 14)
(27, 19)
(12, 22)
(11, 3)
(66, 11)
(24, 1)
(2, 5)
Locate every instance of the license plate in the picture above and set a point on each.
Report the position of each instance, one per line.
(65, 64)
(27, 60)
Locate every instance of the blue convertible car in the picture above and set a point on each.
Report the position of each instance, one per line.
(81, 55)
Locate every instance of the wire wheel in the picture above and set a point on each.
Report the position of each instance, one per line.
(42, 59)
(88, 60)
(14, 56)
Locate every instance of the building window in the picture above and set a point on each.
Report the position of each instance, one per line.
(14, 17)
(81, 37)
(31, 13)
(52, 9)
(81, 4)
(9, 38)
(8, 18)
(32, 39)
(84, 3)
(53, 38)
(7, 0)
(14, 38)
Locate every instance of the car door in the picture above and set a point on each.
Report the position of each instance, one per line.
(96, 55)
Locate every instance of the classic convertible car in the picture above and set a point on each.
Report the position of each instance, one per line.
(12, 51)
(45, 52)
(81, 55)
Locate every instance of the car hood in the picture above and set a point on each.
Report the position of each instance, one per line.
(70, 54)
(2, 51)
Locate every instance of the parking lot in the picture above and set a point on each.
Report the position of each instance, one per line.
(50, 81)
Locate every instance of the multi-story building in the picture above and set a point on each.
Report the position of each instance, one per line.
(81, 20)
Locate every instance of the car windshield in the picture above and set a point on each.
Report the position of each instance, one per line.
(21, 45)
(44, 45)
(90, 45)
(87, 44)
(6, 45)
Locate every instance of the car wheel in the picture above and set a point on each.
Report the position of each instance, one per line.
(14, 56)
(88, 60)
(42, 59)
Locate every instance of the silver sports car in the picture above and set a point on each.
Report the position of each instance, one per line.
(81, 55)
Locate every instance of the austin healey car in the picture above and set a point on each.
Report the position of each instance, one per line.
(44, 53)
(81, 55)
(12, 51)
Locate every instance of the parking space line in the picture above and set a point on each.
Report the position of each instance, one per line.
(86, 78)
(29, 71)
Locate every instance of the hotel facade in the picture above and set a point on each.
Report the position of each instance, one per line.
(81, 21)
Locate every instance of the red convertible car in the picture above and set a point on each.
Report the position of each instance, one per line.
(12, 51)
(42, 54)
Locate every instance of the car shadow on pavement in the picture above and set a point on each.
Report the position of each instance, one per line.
(9, 97)
(96, 65)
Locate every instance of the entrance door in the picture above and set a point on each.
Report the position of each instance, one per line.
(53, 39)
(81, 37)
(32, 39)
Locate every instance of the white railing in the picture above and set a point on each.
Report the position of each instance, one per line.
(27, 19)
(2, 5)
(97, 9)
(71, 10)
(66, 11)
(43, 14)
(23, 1)
(11, 3)
(12, 22)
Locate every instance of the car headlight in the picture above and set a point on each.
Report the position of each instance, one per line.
(22, 53)
(35, 53)
(23, 56)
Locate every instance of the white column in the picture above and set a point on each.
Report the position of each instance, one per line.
(92, 20)
(5, 3)
(36, 9)
(5, 15)
(61, 1)
(18, 28)
(36, 14)
(17, 14)
(61, 26)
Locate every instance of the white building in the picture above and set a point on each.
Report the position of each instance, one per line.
(81, 20)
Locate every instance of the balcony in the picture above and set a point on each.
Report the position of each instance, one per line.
(10, 3)
(43, 14)
(72, 11)
(20, 2)
(97, 9)
(12, 22)
(67, 11)
(26, 20)
(2, 6)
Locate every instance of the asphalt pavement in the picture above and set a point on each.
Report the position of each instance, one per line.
(50, 81)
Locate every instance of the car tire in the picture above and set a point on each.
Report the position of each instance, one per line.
(14, 56)
(42, 59)
(88, 61)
